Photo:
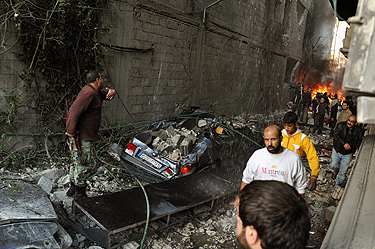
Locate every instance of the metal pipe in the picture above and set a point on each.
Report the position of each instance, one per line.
(209, 6)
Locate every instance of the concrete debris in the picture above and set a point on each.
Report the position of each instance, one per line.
(114, 151)
(46, 184)
(186, 146)
(330, 212)
(337, 192)
(58, 196)
(202, 123)
(171, 131)
(131, 245)
(207, 229)
(64, 181)
(162, 133)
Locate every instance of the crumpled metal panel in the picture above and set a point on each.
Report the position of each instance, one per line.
(29, 235)
(360, 71)
(23, 201)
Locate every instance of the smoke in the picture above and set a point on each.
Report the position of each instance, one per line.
(318, 70)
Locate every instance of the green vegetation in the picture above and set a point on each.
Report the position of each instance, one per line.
(59, 45)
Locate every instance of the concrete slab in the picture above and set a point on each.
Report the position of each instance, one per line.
(22, 201)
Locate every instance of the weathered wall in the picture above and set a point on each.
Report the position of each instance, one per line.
(17, 111)
(236, 58)
(232, 62)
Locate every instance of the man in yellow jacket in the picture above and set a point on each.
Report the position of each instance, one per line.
(298, 142)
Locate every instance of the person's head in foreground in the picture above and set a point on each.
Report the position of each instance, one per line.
(272, 215)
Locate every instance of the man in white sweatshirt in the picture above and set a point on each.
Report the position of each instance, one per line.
(275, 163)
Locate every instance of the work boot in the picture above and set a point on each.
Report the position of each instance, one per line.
(80, 192)
(72, 190)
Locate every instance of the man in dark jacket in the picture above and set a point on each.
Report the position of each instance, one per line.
(82, 127)
(347, 138)
(334, 106)
(306, 103)
(319, 115)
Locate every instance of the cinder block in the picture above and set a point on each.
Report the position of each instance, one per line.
(330, 212)
(58, 196)
(186, 146)
(46, 184)
(170, 131)
(176, 140)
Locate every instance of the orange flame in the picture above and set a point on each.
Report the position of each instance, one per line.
(325, 89)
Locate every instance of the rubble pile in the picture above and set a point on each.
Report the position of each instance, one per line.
(211, 228)
(174, 143)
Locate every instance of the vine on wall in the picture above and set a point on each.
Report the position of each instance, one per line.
(59, 43)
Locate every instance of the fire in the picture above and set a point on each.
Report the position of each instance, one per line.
(319, 89)
(325, 89)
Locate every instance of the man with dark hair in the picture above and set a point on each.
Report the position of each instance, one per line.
(271, 215)
(275, 163)
(346, 140)
(319, 115)
(296, 141)
(82, 127)
(345, 113)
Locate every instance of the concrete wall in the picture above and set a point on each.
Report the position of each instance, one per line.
(22, 115)
(166, 55)
(232, 62)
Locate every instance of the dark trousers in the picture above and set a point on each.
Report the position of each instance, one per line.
(332, 125)
(318, 123)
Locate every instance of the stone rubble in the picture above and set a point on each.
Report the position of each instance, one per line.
(209, 229)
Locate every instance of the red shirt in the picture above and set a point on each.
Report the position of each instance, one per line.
(85, 114)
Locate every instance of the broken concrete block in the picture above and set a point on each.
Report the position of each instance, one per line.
(175, 155)
(46, 184)
(131, 245)
(176, 140)
(115, 150)
(192, 138)
(52, 174)
(49, 173)
(330, 212)
(64, 180)
(58, 196)
(202, 123)
(186, 146)
(185, 132)
(171, 131)
(156, 142)
(160, 133)
(163, 146)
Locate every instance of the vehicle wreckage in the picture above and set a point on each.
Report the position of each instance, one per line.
(173, 149)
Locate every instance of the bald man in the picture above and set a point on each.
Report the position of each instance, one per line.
(275, 162)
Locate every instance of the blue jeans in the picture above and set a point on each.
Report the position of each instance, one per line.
(341, 169)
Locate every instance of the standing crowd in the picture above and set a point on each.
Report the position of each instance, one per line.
(272, 212)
